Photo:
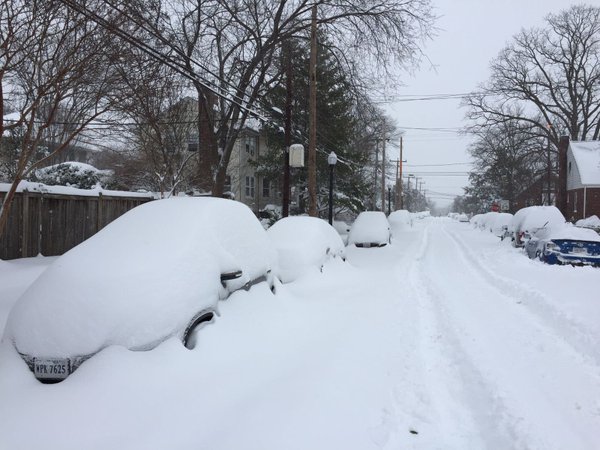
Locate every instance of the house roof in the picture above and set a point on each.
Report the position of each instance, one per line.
(587, 158)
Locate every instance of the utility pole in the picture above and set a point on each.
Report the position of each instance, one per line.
(399, 200)
(312, 122)
(375, 174)
(548, 167)
(288, 128)
(383, 177)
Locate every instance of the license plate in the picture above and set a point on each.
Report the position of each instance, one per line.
(579, 250)
(51, 369)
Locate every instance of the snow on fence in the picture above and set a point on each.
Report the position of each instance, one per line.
(52, 221)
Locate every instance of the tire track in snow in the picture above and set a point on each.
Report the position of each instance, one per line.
(548, 394)
(462, 402)
(524, 295)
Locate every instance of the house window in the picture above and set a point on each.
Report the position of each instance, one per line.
(266, 187)
(250, 146)
(569, 166)
(249, 186)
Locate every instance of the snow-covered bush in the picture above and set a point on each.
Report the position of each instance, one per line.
(74, 174)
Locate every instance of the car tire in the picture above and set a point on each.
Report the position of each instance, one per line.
(197, 323)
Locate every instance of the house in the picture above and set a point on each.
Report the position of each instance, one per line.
(541, 192)
(579, 175)
(243, 182)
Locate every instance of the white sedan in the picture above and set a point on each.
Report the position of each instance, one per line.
(303, 243)
(156, 272)
(370, 229)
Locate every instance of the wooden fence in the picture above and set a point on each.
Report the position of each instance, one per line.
(51, 224)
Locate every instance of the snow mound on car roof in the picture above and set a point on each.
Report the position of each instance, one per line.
(533, 217)
(303, 243)
(568, 231)
(140, 279)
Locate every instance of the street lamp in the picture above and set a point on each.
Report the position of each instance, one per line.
(331, 160)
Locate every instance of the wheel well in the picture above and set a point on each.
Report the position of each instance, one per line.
(206, 316)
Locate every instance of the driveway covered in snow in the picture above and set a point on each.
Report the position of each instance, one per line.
(446, 339)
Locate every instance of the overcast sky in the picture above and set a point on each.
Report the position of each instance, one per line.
(471, 33)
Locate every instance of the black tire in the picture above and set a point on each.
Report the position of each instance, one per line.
(195, 323)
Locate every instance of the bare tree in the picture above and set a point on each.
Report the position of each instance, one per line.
(508, 158)
(57, 73)
(229, 49)
(548, 76)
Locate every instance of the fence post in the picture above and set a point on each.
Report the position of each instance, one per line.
(26, 227)
(99, 213)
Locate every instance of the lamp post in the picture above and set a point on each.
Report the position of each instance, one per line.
(331, 160)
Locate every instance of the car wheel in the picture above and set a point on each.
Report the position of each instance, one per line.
(189, 335)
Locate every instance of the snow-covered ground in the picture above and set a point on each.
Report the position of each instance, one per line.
(446, 339)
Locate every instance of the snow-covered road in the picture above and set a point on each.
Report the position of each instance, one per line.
(447, 339)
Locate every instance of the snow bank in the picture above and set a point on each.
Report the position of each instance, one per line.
(303, 243)
(140, 279)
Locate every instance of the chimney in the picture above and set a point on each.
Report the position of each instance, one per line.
(561, 197)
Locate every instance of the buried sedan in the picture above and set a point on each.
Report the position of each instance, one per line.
(565, 244)
(156, 272)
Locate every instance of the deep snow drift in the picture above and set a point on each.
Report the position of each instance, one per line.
(446, 339)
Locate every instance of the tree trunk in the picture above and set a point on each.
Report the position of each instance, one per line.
(7, 204)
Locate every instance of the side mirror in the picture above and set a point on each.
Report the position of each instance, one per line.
(231, 275)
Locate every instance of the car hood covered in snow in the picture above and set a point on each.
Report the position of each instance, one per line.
(140, 279)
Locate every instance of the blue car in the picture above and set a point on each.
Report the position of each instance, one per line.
(565, 245)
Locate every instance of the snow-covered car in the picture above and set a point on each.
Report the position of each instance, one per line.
(462, 218)
(527, 221)
(156, 272)
(565, 244)
(343, 229)
(302, 244)
(399, 221)
(500, 223)
(370, 229)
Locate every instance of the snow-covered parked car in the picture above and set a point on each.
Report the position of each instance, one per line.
(592, 222)
(399, 221)
(462, 218)
(527, 221)
(499, 224)
(343, 229)
(155, 273)
(302, 244)
(370, 229)
(565, 244)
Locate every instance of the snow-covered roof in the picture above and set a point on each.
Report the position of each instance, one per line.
(587, 158)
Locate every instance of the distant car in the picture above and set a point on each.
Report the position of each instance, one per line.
(303, 243)
(565, 244)
(527, 221)
(370, 229)
(156, 272)
(462, 218)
